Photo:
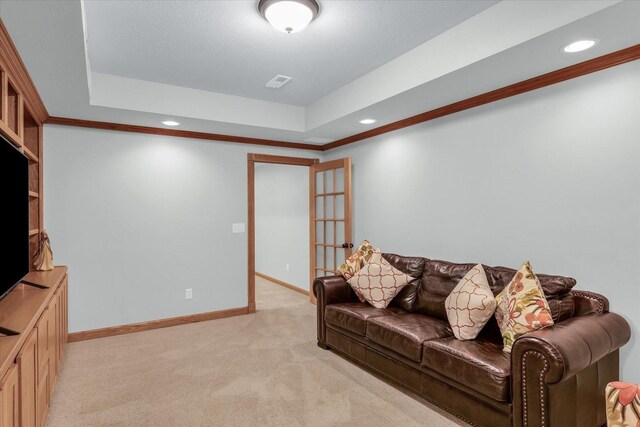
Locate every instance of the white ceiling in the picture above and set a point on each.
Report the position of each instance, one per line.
(505, 43)
(227, 47)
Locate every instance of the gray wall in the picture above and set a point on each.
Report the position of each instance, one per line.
(282, 222)
(141, 218)
(551, 176)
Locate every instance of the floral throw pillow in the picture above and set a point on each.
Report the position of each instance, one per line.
(522, 307)
(378, 281)
(470, 305)
(623, 404)
(356, 261)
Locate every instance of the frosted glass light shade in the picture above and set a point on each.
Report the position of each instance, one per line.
(288, 16)
(579, 46)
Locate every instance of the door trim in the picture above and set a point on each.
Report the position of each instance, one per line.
(252, 159)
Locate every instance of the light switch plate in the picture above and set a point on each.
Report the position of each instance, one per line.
(238, 228)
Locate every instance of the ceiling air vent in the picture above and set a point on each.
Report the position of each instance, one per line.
(278, 81)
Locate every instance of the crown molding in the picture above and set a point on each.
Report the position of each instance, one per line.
(63, 121)
(11, 62)
(571, 72)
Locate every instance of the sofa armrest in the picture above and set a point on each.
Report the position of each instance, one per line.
(589, 302)
(574, 344)
(544, 359)
(329, 290)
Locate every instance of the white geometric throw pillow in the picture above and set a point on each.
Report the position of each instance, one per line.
(378, 281)
(470, 305)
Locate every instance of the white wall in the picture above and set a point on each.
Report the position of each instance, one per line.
(282, 222)
(140, 218)
(551, 176)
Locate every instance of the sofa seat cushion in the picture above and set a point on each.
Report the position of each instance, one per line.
(353, 316)
(479, 364)
(405, 334)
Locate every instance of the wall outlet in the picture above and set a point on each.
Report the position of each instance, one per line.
(188, 294)
(287, 267)
(238, 228)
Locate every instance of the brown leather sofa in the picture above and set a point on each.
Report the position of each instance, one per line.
(554, 377)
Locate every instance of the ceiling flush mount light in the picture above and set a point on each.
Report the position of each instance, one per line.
(579, 46)
(170, 123)
(289, 16)
(368, 121)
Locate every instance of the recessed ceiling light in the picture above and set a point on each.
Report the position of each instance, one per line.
(368, 121)
(579, 46)
(289, 16)
(170, 123)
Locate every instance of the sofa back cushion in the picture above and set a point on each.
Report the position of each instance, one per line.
(556, 290)
(553, 286)
(440, 277)
(413, 266)
(438, 280)
(562, 308)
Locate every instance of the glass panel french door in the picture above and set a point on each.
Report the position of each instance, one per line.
(330, 212)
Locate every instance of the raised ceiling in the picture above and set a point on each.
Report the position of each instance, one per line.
(507, 42)
(227, 47)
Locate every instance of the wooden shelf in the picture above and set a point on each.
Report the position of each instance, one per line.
(23, 129)
(339, 193)
(10, 134)
(29, 154)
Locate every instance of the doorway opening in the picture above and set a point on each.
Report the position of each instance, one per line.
(278, 226)
(329, 220)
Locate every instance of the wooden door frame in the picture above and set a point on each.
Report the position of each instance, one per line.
(252, 159)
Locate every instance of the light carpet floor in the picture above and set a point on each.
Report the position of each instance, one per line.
(263, 369)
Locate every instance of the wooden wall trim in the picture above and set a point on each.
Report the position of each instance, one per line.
(155, 324)
(283, 284)
(12, 63)
(591, 66)
(281, 160)
(63, 121)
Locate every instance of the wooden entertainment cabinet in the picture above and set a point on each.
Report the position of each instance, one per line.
(33, 332)
(33, 319)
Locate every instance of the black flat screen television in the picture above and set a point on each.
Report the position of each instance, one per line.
(14, 227)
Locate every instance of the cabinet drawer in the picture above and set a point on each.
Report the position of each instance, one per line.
(28, 369)
(10, 399)
(43, 341)
(42, 399)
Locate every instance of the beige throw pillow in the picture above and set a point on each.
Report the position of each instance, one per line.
(378, 281)
(470, 305)
(522, 307)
